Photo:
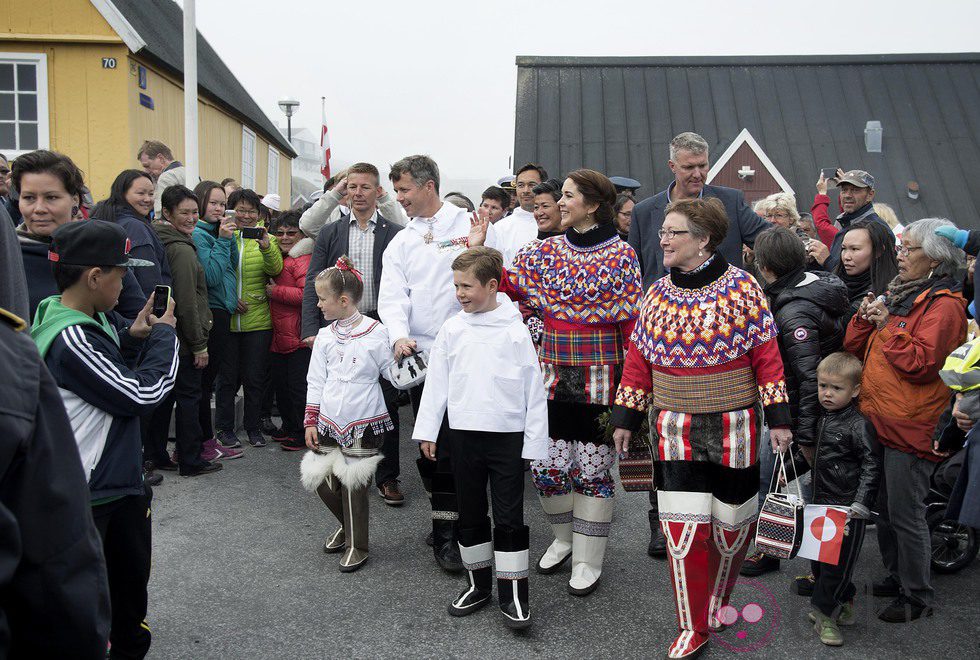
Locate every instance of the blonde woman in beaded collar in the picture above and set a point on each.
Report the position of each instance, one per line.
(703, 363)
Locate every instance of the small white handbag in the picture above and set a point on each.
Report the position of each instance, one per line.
(410, 371)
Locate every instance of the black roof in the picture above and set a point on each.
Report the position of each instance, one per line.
(618, 115)
(160, 23)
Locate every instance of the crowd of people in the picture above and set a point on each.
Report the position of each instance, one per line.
(553, 327)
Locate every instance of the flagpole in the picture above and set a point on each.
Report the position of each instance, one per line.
(323, 136)
(191, 161)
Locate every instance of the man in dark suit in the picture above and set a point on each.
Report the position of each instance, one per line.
(362, 235)
(689, 163)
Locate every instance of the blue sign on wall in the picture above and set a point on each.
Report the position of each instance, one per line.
(146, 101)
(142, 76)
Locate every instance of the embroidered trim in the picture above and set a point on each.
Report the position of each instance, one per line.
(512, 575)
(478, 565)
(561, 518)
(445, 515)
(633, 397)
(773, 392)
(590, 527)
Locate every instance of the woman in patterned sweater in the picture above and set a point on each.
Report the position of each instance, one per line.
(704, 364)
(585, 285)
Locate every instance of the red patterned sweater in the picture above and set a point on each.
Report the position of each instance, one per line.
(586, 288)
(710, 322)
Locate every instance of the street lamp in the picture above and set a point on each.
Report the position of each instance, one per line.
(288, 105)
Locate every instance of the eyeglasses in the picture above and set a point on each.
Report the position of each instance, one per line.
(290, 233)
(670, 233)
(904, 250)
(777, 214)
(251, 213)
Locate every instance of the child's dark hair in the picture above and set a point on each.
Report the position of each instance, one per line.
(841, 364)
(343, 280)
(486, 263)
(66, 275)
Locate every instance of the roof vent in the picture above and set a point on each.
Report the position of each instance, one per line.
(872, 137)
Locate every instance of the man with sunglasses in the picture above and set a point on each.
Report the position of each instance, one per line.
(362, 235)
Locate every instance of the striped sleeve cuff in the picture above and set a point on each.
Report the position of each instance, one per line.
(311, 416)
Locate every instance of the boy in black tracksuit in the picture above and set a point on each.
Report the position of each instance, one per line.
(845, 473)
(110, 373)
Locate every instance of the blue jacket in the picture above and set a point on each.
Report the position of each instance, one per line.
(648, 217)
(106, 387)
(219, 258)
(144, 244)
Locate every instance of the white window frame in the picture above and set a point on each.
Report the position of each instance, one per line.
(248, 177)
(40, 60)
(272, 182)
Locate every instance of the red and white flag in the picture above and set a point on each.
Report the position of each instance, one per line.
(823, 533)
(325, 143)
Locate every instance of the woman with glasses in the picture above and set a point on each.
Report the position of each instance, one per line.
(585, 285)
(703, 364)
(904, 338)
(290, 356)
(247, 353)
(214, 237)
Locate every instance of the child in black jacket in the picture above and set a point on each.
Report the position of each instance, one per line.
(845, 473)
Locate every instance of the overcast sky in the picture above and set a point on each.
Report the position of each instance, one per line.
(439, 77)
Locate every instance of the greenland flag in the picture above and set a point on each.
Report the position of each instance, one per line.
(823, 533)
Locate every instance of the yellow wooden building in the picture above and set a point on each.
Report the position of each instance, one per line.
(95, 78)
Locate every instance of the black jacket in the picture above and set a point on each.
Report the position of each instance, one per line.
(332, 243)
(846, 467)
(809, 308)
(648, 217)
(54, 596)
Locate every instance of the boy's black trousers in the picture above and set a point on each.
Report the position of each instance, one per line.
(833, 586)
(125, 528)
(479, 457)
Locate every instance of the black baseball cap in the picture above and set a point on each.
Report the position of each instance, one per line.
(92, 243)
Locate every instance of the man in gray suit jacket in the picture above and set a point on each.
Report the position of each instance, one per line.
(362, 235)
(689, 163)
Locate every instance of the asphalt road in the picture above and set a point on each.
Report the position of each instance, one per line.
(238, 572)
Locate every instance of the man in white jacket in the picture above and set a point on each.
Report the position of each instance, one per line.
(519, 228)
(484, 369)
(415, 298)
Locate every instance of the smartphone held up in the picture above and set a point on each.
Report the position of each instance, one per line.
(161, 300)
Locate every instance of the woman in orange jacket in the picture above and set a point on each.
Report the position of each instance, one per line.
(903, 339)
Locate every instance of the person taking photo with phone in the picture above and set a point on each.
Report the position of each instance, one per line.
(247, 356)
(190, 294)
(214, 237)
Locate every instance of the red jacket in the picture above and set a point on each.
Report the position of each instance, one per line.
(286, 298)
(821, 219)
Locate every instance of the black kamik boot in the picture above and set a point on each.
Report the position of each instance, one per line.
(444, 516)
(511, 558)
(476, 551)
